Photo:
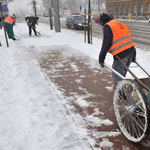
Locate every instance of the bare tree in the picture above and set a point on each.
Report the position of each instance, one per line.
(74, 5)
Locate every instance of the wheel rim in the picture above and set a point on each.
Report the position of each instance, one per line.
(131, 111)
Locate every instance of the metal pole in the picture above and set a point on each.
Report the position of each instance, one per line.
(4, 25)
(116, 8)
(50, 19)
(136, 9)
(34, 6)
(74, 11)
(98, 7)
(85, 27)
(142, 68)
(50, 15)
(91, 26)
(89, 22)
(56, 15)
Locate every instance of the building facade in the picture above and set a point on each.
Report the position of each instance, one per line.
(132, 9)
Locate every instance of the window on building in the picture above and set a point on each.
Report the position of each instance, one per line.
(129, 11)
(142, 8)
(110, 9)
(119, 9)
(123, 9)
(134, 8)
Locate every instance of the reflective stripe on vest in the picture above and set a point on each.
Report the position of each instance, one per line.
(122, 45)
(9, 20)
(121, 37)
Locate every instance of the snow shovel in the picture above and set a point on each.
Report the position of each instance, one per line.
(17, 37)
(33, 28)
(138, 80)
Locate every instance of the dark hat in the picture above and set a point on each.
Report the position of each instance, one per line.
(14, 16)
(104, 18)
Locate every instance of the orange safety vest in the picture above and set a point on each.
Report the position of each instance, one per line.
(9, 20)
(121, 37)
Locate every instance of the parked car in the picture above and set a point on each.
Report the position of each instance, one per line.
(97, 18)
(149, 22)
(111, 16)
(45, 15)
(82, 15)
(27, 15)
(76, 22)
(39, 14)
(94, 16)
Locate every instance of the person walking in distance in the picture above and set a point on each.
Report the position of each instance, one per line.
(117, 41)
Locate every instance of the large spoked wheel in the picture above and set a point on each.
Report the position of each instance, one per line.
(131, 110)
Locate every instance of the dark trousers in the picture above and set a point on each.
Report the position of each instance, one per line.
(117, 65)
(30, 30)
(9, 30)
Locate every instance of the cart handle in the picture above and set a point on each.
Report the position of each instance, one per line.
(114, 71)
(142, 68)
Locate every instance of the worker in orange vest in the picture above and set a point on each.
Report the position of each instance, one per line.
(9, 22)
(117, 41)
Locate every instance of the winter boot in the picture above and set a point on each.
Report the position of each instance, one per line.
(30, 33)
(35, 33)
(14, 38)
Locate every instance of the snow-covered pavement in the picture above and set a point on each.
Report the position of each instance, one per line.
(33, 115)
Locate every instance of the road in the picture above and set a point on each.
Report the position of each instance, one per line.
(140, 30)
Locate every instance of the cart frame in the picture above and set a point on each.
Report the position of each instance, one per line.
(132, 107)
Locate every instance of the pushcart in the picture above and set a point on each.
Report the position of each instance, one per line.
(132, 105)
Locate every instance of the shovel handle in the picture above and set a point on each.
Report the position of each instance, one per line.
(139, 81)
